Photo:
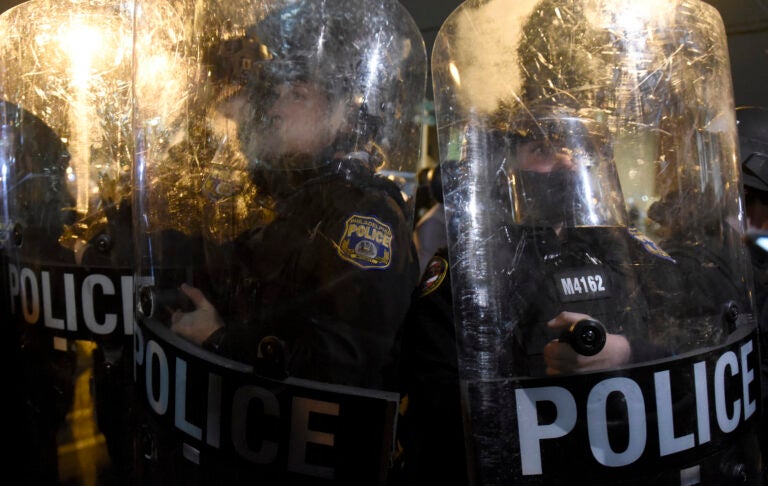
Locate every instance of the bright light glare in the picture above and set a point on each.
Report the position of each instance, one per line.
(82, 43)
(455, 73)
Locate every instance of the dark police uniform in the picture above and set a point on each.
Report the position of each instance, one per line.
(324, 287)
(613, 274)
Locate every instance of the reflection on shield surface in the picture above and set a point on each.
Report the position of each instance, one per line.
(589, 163)
(276, 152)
(66, 159)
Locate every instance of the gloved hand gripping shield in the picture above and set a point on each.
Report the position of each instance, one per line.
(66, 225)
(277, 145)
(595, 238)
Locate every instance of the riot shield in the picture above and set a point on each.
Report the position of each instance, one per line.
(601, 289)
(277, 145)
(67, 264)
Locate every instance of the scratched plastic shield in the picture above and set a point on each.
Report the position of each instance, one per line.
(66, 232)
(227, 178)
(590, 166)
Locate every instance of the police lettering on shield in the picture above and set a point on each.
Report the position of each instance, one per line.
(593, 347)
(274, 215)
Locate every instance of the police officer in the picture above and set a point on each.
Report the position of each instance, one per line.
(324, 281)
(540, 240)
(753, 145)
(576, 258)
(540, 202)
(753, 133)
(34, 198)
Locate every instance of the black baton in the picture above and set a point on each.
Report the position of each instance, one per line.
(586, 337)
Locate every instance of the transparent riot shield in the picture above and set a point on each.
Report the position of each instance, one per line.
(277, 145)
(601, 289)
(67, 264)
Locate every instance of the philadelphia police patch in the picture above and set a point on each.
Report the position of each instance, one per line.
(366, 242)
(434, 274)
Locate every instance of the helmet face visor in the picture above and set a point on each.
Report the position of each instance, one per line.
(265, 90)
(370, 82)
(561, 173)
(280, 120)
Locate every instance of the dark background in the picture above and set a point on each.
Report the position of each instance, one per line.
(746, 23)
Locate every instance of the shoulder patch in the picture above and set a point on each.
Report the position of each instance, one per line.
(649, 245)
(366, 242)
(434, 274)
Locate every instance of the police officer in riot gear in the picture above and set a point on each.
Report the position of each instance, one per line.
(574, 258)
(33, 196)
(573, 246)
(577, 82)
(552, 161)
(288, 171)
(323, 284)
(44, 231)
(429, 232)
(577, 262)
(753, 145)
(543, 206)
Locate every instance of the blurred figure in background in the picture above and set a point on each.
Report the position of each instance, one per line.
(429, 234)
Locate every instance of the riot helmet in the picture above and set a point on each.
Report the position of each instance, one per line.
(298, 85)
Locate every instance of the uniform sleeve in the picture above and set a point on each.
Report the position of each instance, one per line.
(431, 431)
(360, 274)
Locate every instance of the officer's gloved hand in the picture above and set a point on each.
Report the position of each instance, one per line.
(561, 358)
(199, 324)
